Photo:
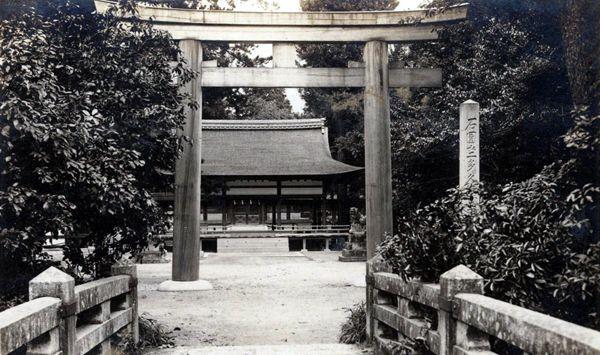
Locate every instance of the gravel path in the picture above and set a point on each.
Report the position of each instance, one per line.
(257, 299)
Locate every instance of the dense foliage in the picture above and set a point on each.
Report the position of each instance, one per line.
(508, 57)
(343, 107)
(532, 233)
(533, 241)
(235, 103)
(88, 111)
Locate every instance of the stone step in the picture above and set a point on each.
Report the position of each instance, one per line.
(299, 349)
(252, 245)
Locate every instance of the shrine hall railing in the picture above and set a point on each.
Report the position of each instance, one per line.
(62, 318)
(210, 231)
(454, 317)
(302, 232)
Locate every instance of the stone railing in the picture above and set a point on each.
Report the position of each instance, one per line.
(454, 317)
(62, 318)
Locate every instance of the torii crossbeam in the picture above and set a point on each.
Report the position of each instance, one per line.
(284, 29)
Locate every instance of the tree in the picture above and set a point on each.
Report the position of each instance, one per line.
(267, 105)
(234, 103)
(536, 240)
(581, 36)
(580, 31)
(88, 111)
(10, 8)
(342, 108)
(508, 56)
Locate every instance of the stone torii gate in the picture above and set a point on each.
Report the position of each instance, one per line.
(284, 30)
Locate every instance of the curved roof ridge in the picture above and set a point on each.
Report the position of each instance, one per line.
(304, 123)
(268, 148)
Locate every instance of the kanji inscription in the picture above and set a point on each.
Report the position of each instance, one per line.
(469, 143)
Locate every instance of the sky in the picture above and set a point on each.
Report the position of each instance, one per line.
(266, 50)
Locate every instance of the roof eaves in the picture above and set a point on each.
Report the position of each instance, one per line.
(309, 123)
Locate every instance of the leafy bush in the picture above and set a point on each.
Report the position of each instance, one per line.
(535, 242)
(521, 239)
(516, 47)
(354, 330)
(88, 110)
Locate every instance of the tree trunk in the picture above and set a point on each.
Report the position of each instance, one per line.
(581, 38)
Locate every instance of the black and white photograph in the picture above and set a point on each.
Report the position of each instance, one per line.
(300, 177)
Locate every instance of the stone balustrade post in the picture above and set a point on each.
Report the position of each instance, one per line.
(369, 306)
(55, 283)
(374, 265)
(460, 279)
(126, 267)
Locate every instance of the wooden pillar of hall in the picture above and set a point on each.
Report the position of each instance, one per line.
(263, 212)
(186, 229)
(378, 161)
(223, 204)
(278, 208)
(274, 214)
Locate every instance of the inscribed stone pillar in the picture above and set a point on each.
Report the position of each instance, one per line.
(378, 162)
(186, 231)
(469, 143)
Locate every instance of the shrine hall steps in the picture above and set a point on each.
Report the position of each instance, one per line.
(252, 245)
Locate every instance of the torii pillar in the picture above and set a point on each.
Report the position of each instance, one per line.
(378, 158)
(186, 229)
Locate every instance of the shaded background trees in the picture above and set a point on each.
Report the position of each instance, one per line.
(509, 57)
(342, 108)
(88, 114)
(534, 234)
(234, 103)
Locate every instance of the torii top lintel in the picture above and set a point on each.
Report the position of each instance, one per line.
(312, 27)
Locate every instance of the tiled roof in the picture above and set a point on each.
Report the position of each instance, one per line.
(268, 148)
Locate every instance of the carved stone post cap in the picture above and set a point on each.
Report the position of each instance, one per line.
(461, 272)
(460, 279)
(52, 283)
(470, 102)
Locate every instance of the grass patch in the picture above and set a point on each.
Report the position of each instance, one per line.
(354, 329)
(152, 335)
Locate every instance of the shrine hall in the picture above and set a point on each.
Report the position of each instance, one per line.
(270, 173)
